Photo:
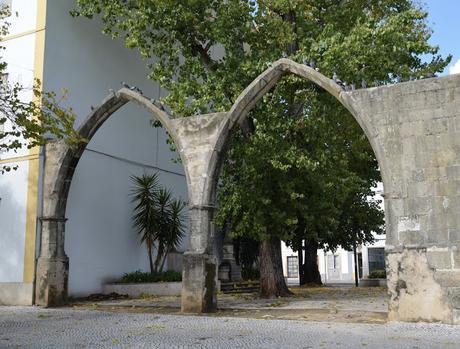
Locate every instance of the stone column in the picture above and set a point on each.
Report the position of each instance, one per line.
(52, 265)
(196, 138)
(199, 276)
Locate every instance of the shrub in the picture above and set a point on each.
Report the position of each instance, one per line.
(139, 276)
(378, 274)
(250, 274)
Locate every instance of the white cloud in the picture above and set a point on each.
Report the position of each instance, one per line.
(455, 69)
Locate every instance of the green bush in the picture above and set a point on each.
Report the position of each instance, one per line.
(250, 274)
(378, 274)
(139, 276)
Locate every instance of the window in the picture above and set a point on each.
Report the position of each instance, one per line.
(292, 267)
(376, 259)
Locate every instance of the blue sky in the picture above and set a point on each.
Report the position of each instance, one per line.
(444, 19)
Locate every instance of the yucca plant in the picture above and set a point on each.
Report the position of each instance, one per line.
(174, 233)
(157, 218)
(145, 215)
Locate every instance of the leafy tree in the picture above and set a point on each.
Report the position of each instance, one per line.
(29, 124)
(206, 52)
(157, 218)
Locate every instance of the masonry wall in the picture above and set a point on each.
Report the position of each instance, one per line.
(416, 133)
(100, 241)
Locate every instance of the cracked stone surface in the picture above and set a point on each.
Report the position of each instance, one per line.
(27, 327)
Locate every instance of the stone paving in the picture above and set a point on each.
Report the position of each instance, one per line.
(32, 327)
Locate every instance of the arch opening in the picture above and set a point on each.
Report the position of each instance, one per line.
(260, 87)
(62, 163)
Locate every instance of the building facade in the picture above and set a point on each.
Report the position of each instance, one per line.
(47, 44)
(338, 266)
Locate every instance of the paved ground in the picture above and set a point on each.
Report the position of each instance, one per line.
(27, 327)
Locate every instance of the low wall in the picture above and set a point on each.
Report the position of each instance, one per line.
(16, 293)
(372, 282)
(153, 288)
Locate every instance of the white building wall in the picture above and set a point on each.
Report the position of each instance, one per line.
(19, 54)
(100, 241)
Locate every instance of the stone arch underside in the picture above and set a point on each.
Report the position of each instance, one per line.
(414, 129)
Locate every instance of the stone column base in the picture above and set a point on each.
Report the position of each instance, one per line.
(51, 283)
(199, 283)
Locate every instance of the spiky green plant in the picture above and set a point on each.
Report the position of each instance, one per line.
(157, 218)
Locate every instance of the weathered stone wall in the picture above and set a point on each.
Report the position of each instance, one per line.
(415, 131)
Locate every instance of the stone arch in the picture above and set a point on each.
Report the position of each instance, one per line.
(259, 87)
(413, 128)
(61, 162)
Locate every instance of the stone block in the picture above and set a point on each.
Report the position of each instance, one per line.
(456, 255)
(421, 189)
(439, 259)
(456, 317)
(420, 205)
(199, 283)
(51, 286)
(448, 278)
(437, 237)
(453, 172)
(454, 235)
(454, 297)
(412, 238)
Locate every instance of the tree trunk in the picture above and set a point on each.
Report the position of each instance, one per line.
(160, 254)
(311, 273)
(149, 250)
(163, 261)
(272, 282)
(301, 264)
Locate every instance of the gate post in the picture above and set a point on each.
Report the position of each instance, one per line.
(52, 265)
(199, 276)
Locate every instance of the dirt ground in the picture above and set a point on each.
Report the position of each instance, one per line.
(322, 304)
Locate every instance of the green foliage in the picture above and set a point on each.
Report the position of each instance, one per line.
(157, 218)
(29, 124)
(250, 274)
(139, 276)
(378, 274)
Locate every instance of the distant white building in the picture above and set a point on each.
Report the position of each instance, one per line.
(339, 266)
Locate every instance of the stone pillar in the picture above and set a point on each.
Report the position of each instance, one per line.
(199, 275)
(52, 265)
(199, 283)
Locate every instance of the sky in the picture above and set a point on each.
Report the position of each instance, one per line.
(444, 19)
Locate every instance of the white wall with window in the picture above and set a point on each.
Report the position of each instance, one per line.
(338, 266)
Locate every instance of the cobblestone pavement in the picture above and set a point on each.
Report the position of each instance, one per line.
(30, 327)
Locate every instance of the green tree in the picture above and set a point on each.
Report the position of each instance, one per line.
(206, 52)
(29, 124)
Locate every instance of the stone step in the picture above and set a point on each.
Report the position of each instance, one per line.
(240, 287)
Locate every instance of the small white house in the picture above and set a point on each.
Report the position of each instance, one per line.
(339, 266)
